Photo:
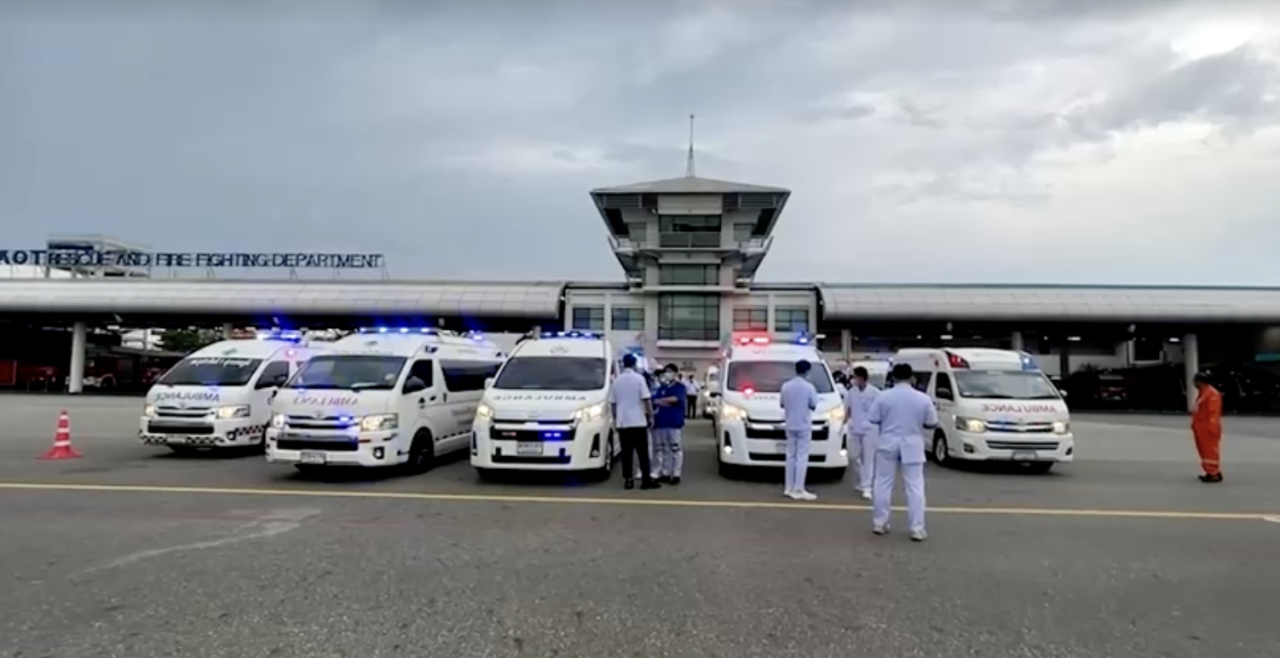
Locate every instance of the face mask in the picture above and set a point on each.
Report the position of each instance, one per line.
(668, 377)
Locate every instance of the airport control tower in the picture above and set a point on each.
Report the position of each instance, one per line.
(690, 247)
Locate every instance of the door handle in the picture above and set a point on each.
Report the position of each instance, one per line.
(422, 402)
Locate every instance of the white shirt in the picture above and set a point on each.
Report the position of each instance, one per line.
(691, 387)
(798, 398)
(858, 405)
(903, 414)
(628, 395)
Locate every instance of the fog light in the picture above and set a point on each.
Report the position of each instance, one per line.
(968, 449)
(728, 450)
(1071, 450)
(595, 447)
(844, 453)
(378, 453)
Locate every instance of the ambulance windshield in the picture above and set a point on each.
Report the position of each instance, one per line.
(769, 376)
(1005, 385)
(211, 371)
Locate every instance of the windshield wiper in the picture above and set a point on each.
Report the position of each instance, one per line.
(1046, 396)
(361, 386)
(992, 396)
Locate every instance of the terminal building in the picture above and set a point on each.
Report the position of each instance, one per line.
(689, 249)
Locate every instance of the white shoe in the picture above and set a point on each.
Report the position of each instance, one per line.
(866, 494)
(791, 494)
(919, 535)
(805, 495)
(881, 530)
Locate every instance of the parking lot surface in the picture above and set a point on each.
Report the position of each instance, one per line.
(132, 551)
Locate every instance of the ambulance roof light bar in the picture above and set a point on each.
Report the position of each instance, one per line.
(956, 361)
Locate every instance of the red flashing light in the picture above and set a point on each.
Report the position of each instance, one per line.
(753, 340)
(956, 361)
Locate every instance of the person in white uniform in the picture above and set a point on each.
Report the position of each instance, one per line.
(862, 433)
(905, 416)
(798, 398)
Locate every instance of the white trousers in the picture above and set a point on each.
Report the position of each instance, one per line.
(887, 464)
(865, 444)
(797, 458)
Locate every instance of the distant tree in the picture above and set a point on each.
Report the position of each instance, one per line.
(187, 340)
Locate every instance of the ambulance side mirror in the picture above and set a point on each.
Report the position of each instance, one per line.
(944, 394)
(488, 382)
(1062, 392)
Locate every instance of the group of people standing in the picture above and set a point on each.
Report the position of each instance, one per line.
(654, 408)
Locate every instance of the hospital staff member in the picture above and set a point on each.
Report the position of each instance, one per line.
(798, 398)
(857, 404)
(905, 416)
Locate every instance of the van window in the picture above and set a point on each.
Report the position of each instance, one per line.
(211, 371)
(552, 373)
(423, 370)
(1005, 385)
(349, 372)
(273, 370)
(944, 381)
(922, 378)
(460, 376)
(768, 376)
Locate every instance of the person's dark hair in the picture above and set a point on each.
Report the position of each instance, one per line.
(672, 368)
(803, 367)
(628, 360)
(1201, 378)
(861, 372)
(902, 372)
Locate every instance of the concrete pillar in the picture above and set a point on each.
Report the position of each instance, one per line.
(537, 331)
(1190, 366)
(1064, 359)
(1015, 341)
(226, 330)
(75, 378)
(846, 345)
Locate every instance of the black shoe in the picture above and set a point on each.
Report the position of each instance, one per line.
(674, 481)
(662, 479)
(650, 484)
(629, 484)
(1211, 479)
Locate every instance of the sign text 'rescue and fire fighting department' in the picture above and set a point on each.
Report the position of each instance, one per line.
(204, 259)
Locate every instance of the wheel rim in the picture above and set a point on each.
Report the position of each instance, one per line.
(940, 449)
(608, 456)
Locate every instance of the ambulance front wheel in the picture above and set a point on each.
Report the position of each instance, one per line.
(940, 452)
(605, 472)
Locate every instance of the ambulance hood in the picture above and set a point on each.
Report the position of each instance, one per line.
(767, 407)
(549, 405)
(322, 403)
(197, 397)
(1023, 411)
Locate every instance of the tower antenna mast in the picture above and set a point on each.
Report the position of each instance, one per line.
(689, 169)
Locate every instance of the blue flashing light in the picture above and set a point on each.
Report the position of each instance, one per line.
(429, 331)
(280, 334)
(1028, 363)
(575, 334)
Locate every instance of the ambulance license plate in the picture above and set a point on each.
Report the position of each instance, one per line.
(1024, 455)
(529, 448)
(311, 457)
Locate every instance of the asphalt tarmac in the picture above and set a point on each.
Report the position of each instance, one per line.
(131, 551)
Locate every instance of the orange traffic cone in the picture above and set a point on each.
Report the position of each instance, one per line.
(62, 440)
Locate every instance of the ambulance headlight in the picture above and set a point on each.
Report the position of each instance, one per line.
(589, 413)
(484, 411)
(379, 422)
(277, 421)
(730, 412)
(227, 413)
(149, 410)
(971, 425)
(1061, 427)
(836, 415)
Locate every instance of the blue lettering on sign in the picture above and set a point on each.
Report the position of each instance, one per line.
(326, 400)
(208, 260)
(190, 396)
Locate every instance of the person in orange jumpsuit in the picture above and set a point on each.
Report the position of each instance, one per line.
(1206, 426)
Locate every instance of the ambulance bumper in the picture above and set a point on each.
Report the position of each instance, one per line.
(366, 449)
(1016, 447)
(572, 448)
(200, 433)
(739, 445)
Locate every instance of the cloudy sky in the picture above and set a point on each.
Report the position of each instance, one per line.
(1008, 141)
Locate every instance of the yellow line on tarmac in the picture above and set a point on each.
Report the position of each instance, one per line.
(634, 502)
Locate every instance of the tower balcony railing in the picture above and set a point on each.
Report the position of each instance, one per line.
(692, 241)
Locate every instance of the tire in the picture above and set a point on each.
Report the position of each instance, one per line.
(728, 471)
(1039, 468)
(833, 474)
(422, 452)
(486, 474)
(605, 472)
(939, 452)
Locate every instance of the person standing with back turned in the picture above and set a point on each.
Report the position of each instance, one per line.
(857, 402)
(798, 398)
(632, 415)
(904, 416)
(1206, 427)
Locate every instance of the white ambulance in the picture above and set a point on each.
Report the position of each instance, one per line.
(710, 392)
(220, 396)
(992, 405)
(548, 409)
(748, 422)
(383, 397)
